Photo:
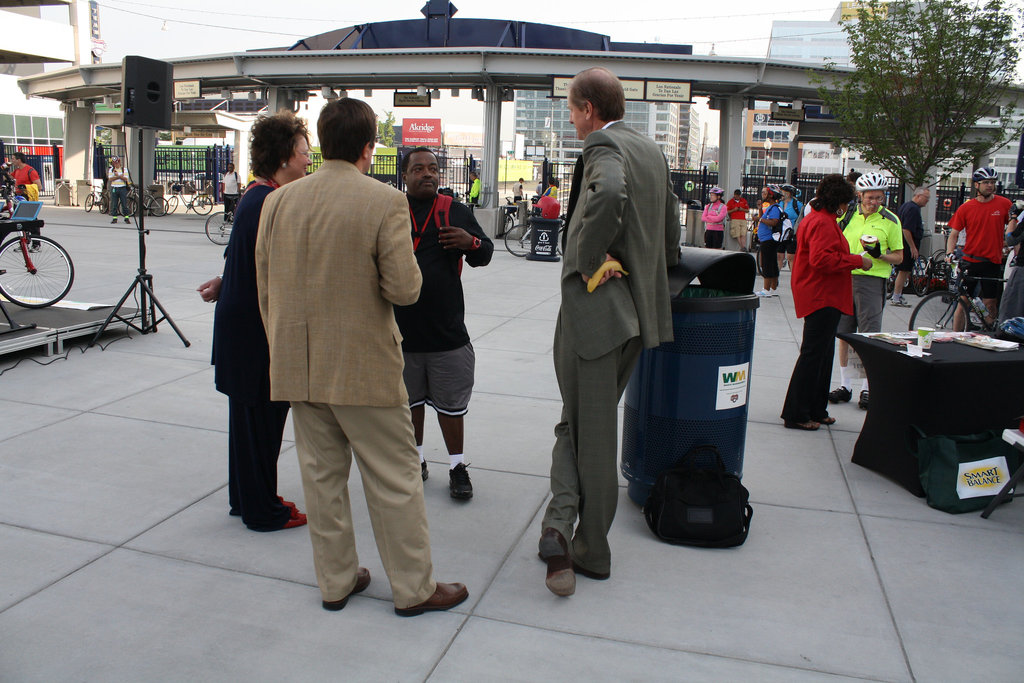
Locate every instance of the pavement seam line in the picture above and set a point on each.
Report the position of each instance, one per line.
(874, 561)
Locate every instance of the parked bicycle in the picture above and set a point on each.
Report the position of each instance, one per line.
(510, 211)
(187, 195)
(153, 206)
(938, 309)
(97, 198)
(35, 271)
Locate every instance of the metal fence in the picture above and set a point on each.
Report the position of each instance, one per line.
(175, 164)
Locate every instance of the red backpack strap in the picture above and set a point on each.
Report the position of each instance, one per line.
(442, 209)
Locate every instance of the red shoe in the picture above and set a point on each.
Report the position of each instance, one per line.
(298, 519)
(287, 503)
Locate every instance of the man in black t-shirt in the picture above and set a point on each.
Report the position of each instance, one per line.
(909, 214)
(439, 359)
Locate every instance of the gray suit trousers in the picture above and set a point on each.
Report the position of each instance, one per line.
(584, 478)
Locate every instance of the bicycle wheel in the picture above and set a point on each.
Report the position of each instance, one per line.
(890, 283)
(154, 206)
(43, 279)
(507, 224)
(105, 204)
(203, 204)
(132, 206)
(172, 203)
(936, 311)
(919, 277)
(90, 201)
(517, 240)
(218, 228)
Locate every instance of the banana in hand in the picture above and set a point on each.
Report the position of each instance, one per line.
(595, 279)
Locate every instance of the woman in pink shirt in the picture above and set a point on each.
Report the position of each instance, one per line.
(714, 217)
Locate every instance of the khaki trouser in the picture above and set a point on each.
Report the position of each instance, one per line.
(326, 436)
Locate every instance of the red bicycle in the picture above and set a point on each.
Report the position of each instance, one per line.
(35, 271)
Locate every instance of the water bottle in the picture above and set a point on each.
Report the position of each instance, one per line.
(980, 306)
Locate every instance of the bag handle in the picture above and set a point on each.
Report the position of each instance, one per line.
(702, 448)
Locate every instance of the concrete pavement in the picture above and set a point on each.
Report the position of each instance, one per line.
(119, 562)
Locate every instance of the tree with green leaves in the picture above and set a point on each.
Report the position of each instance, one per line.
(386, 129)
(925, 73)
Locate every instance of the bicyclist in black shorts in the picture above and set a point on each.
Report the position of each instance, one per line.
(985, 219)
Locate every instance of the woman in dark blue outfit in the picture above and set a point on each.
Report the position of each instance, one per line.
(279, 155)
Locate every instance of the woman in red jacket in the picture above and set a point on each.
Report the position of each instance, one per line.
(822, 290)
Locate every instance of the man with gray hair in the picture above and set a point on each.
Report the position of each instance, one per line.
(621, 238)
(909, 214)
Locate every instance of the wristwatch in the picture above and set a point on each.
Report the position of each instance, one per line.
(476, 243)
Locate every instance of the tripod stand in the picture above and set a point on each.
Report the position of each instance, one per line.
(148, 303)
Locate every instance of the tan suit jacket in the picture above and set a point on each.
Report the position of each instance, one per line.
(334, 252)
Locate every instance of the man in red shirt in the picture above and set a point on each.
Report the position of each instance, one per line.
(737, 208)
(24, 174)
(986, 218)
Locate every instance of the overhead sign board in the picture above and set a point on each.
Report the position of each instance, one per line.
(426, 132)
(411, 99)
(636, 90)
(187, 90)
(668, 91)
(783, 113)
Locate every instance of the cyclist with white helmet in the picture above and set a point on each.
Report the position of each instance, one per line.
(876, 231)
(985, 220)
(714, 216)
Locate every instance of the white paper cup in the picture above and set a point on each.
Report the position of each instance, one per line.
(925, 335)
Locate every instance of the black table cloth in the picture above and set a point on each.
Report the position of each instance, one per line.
(957, 390)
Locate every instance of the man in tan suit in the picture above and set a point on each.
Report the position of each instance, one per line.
(333, 254)
(625, 213)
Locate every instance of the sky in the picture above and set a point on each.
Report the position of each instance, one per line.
(194, 27)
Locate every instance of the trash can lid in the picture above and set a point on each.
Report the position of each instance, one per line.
(733, 271)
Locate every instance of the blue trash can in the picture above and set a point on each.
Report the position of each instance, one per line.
(694, 390)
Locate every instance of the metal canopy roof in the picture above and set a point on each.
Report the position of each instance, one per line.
(521, 68)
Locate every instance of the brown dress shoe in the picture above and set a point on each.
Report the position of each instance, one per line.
(446, 596)
(561, 580)
(362, 581)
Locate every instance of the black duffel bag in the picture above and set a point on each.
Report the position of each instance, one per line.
(691, 505)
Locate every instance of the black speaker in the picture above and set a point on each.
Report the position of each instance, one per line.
(146, 93)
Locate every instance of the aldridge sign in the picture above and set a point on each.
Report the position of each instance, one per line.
(426, 132)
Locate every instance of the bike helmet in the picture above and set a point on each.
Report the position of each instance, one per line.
(716, 190)
(872, 181)
(984, 173)
(790, 189)
(775, 191)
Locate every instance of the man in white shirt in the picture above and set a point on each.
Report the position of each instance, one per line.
(230, 189)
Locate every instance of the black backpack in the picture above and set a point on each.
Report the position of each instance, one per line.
(689, 505)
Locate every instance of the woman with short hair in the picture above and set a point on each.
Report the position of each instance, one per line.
(822, 291)
(241, 356)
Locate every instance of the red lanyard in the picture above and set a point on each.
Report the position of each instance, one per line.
(269, 183)
(417, 233)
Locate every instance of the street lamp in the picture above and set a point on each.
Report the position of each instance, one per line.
(767, 155)
(844, 154)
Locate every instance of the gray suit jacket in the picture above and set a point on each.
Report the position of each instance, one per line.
(626, 208)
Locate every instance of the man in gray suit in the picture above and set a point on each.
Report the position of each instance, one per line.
(626, 214)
